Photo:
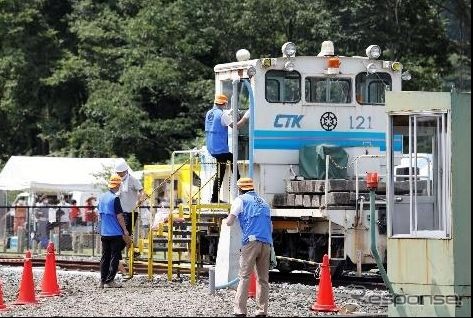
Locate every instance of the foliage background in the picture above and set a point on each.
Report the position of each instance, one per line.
(133, 78)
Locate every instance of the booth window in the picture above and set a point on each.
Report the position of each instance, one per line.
(420, 186)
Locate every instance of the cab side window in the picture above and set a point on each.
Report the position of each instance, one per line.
(370, 88)
(282, 86)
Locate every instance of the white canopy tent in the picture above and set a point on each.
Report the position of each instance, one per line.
(56, 174)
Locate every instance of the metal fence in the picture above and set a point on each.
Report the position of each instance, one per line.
(21, 230)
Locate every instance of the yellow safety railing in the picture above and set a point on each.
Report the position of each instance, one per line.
(150, 253)
(131, 249)
(194, 209)
(193, 242)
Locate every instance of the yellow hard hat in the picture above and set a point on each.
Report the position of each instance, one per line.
(115, 181)
(245, 184)
(220, 99)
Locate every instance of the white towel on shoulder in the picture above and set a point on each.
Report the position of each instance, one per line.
(124, 185)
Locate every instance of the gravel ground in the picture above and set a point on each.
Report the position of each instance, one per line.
(81, 297)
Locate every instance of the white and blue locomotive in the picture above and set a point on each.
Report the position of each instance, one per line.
(298, 101)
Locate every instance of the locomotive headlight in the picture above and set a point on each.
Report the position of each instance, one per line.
(242, 55)
(289, 66)
(406, 76)
(373, 52)
(251, 71)
(289, 49)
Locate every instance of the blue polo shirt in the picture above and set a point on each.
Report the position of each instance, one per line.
(109, 207)
(216, 133)
(255, 219)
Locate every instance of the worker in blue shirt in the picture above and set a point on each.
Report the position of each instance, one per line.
(217, 122)
(114, 234)
(254, 215)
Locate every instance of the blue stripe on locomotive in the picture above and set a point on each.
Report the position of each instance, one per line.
(294, 140)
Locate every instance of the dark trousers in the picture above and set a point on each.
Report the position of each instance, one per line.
(127, 217)
(222, 159)
(111, 254)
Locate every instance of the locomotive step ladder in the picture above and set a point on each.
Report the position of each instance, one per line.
(336, 235)
(179, 237)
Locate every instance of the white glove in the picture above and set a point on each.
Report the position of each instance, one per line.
(247, 114)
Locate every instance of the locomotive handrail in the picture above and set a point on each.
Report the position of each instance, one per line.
(327, 164)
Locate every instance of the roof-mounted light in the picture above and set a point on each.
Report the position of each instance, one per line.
(373, 52)
(396, 66)
(406, 76)
(333, 65)
(289, 49)
(371, 68)
(289, 66)
(251, 71)
(242, 55)
(334, 62)
(327, 49)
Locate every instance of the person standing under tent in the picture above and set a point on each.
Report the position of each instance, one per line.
(20, 216)
(41, 213)
(74, 214)
(90, 212)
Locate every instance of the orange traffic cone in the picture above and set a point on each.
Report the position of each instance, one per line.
(252, 286)
(26, 294)
(325, 301)
(49, 285)
(3, 307)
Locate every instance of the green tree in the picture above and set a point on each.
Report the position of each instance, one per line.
(134, 78)
(30, 43)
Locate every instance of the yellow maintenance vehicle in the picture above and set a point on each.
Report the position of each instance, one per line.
(184, 183)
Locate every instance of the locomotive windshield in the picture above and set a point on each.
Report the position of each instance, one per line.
(285, 87)
(328, 90)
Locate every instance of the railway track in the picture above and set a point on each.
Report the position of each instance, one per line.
(310, 278)
(81, 265)
(298, 277)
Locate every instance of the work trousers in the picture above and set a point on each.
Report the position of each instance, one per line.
(111, 254)
(254, 255)
(127, 218)
(222, 159)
